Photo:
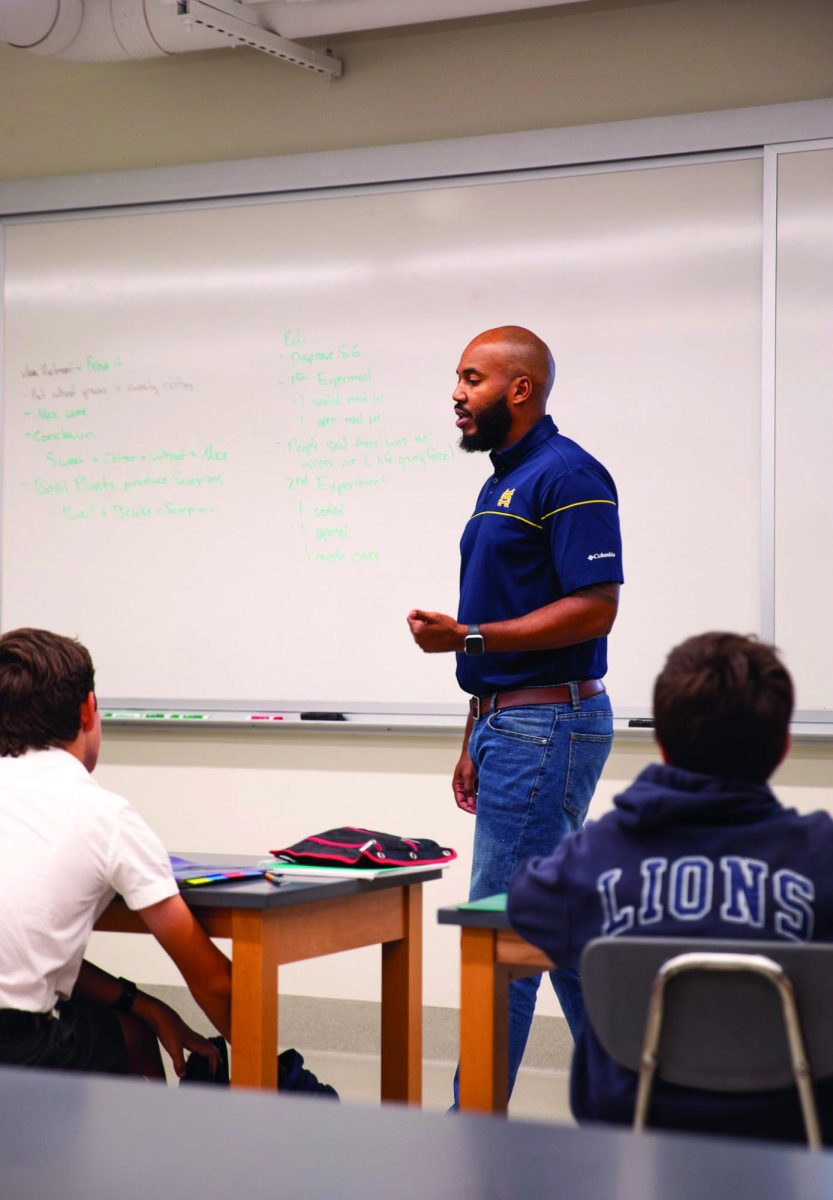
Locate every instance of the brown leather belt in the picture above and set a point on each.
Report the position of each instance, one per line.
(481, 706)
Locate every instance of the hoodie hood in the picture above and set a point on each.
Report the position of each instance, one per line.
(663, 796)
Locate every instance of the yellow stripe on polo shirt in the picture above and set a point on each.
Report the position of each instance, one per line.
(491, 512)
(576, 504)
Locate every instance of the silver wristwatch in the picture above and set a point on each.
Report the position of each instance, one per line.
(474, 643)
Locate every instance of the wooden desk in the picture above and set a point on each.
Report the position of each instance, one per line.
(269, 926)
(491, 955)
(90, 1137)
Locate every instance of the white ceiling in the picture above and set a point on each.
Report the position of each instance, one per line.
(306, 18)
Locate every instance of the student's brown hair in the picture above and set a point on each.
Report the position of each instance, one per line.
(722, 706)
(44, 679)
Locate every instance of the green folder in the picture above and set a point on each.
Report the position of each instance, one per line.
(487, 904)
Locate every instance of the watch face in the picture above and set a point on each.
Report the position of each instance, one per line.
(475, 643)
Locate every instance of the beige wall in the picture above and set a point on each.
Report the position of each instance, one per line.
(595, 62)
(572, 65)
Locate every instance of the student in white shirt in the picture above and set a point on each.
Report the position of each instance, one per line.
(66, 847)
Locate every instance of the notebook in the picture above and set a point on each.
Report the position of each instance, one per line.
(291, 870)
(191, 874)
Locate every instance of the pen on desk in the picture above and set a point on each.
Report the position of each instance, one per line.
(273, 878)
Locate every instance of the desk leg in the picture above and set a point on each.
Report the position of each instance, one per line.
(484, 1018)
(402, 1005)
(254, 1011)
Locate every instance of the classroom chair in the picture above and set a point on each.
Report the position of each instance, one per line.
(723, 1016)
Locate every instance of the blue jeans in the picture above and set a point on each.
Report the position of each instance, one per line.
(537, 769)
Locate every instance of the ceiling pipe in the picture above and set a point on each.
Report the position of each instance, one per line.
(102, 30)
(112, 30)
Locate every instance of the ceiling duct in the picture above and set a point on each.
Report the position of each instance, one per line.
(110, 30)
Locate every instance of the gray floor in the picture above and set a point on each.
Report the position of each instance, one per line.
(321, 1029)
(540, 1094)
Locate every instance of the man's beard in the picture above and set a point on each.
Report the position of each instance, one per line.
(492, 426)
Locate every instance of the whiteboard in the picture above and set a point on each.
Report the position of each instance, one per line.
(230, 462)
(804, 424)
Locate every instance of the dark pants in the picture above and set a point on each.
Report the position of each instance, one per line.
(76, 1036)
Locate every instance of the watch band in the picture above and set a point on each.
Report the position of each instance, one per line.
(128, 995)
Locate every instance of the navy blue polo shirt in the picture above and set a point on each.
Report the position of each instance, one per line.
(545, 524)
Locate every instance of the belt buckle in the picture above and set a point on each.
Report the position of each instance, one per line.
(474, 707)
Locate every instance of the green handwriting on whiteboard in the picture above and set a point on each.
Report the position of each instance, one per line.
(140, 512)
(103, 483)
(94, 363)
(343, 447)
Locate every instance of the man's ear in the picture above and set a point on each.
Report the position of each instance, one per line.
(88, 711)
(521, 389)
(663, 753)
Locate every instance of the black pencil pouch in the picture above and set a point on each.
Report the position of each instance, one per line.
(352, 846)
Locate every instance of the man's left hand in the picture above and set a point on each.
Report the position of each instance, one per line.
(436, 633)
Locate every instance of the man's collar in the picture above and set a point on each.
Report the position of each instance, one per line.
(504, 460)
(52, 758)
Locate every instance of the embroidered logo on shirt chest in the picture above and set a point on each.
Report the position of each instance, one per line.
(506, 498)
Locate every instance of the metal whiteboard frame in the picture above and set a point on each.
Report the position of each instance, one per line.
(807, 721)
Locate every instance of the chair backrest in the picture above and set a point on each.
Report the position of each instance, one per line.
(721, 1031)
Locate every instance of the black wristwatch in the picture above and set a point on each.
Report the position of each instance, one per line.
(128, 995)
(474, 643)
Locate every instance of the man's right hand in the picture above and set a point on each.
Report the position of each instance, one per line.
(464, 784)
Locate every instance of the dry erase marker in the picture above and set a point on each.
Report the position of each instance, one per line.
(193, 716)
(276, 879)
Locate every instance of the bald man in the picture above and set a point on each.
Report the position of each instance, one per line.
(539, 590)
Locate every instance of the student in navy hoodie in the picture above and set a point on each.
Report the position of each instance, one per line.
(696, 847)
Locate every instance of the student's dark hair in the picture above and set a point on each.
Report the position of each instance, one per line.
(44, 679)
(722, 706)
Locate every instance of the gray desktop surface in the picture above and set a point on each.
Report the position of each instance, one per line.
(94, 1138)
